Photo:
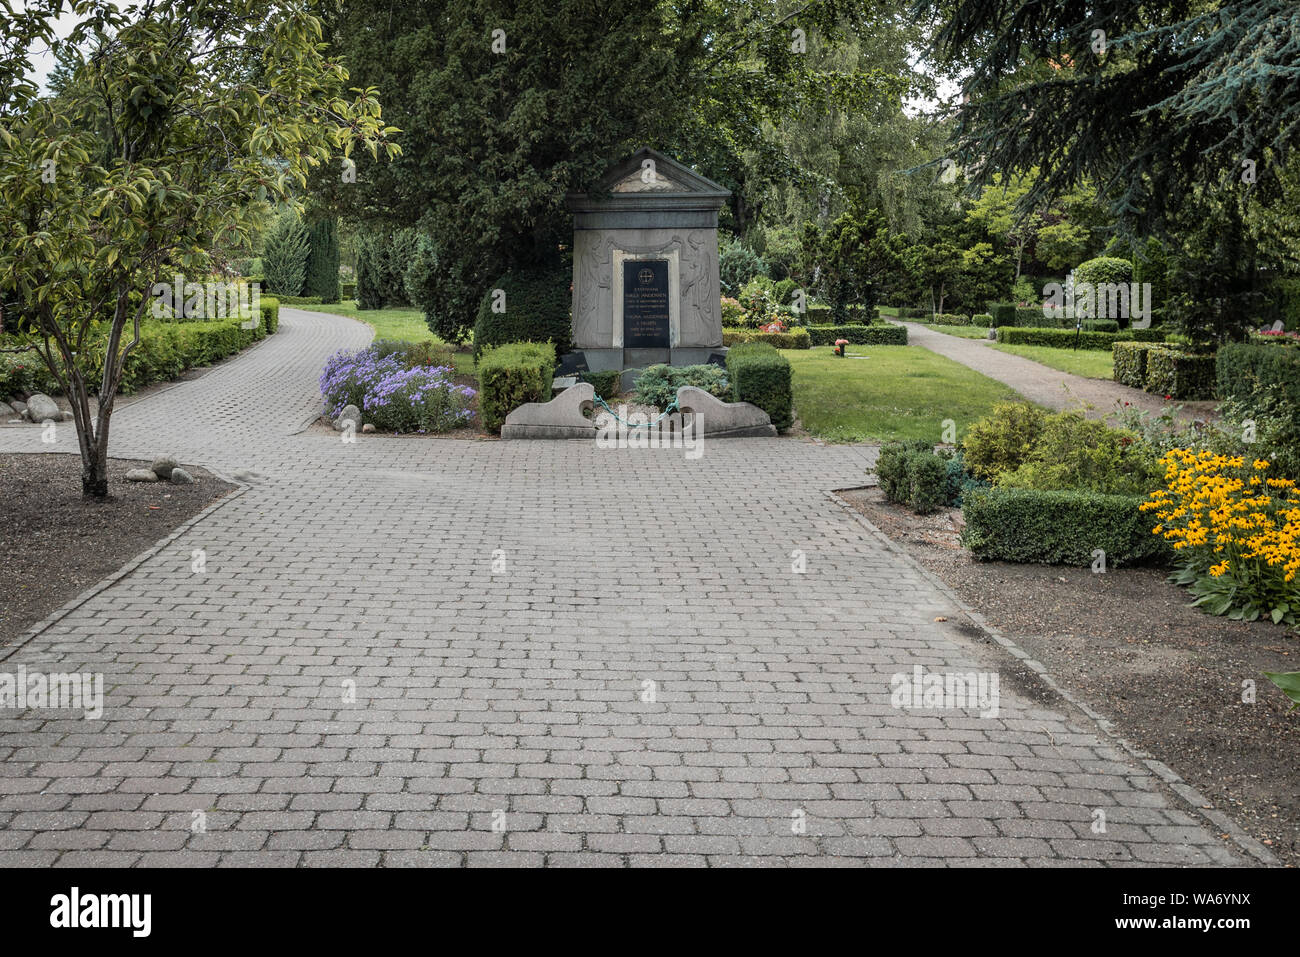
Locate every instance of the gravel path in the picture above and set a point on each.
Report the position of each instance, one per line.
(1042, 384)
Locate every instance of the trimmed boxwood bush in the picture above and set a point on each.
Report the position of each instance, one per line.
(1101, 325)
(1130, 363)
(1058, 528)
(1030, 316)
(1179, 375)
(885, 334)
(982, 319)
(510, 375)
(348, 290)
(795, 338)
(537, 306)
(1104, 269)
(1244, 369)
(1004, 313)
(911, 474)
(951, 319)
(270, 314)
(606, 382)
(761, 375)
(1056, 338)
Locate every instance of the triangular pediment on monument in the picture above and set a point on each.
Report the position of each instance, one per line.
(649, 171)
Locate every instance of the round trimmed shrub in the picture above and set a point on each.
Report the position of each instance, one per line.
(537, 306)
(1104, 269)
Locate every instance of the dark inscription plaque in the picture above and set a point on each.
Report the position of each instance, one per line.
(645, 304)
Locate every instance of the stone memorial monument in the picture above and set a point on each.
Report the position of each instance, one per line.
(645, 266)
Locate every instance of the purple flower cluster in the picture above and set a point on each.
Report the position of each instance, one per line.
(395, 397)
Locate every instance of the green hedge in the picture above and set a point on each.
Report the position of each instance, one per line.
(796, 338)
(761, 375)
(1242, 369)
(1003, 313)
(982, 319)
(1056, 338)
(510, 375)
(821, 315)
(1101, 325)
(885, 334)
(1058, 527)
(951, 319)
(1130, 363)
(1065, 338)
(606, 382)
(348, 290)
(537, 305)
(1179, 375)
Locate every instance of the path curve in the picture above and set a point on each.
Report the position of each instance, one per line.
(1043, 385)
(399, 640)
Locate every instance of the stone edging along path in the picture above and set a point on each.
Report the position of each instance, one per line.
(521, 690)
(1043, 385)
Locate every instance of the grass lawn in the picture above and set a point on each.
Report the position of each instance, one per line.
(1089, 363)
(406, 324)
(900, 392)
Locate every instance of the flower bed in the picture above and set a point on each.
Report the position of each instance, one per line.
(1235, 531)
(394, 394)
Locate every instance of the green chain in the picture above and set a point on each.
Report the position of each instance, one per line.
(667, 412)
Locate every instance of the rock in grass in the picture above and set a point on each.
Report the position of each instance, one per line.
(163, 465)
(41, 408)
(182, 477)
(141, 475)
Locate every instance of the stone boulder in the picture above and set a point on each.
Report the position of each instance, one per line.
(19, 406)
(41, 408)
(7, 410)
(141, 475)
(182, 477)
(164, 465)
(561, 418)
(723, 420)
(349, 413)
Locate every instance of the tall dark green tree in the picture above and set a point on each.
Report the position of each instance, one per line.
(505, 106)
(322, 269)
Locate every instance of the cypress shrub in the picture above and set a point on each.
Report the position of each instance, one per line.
(532, 305)
(322, 271)
(284, 258)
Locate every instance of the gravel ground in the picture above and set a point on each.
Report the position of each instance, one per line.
(1169, 676)
(54, 544)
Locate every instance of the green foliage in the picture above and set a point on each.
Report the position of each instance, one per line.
(982, 319)
(1076, 453)
(510, 375)
(885, 334)
(383, 258)
(1261, 388)
(796, 338)
(174, 130)
(284, 257)
(535, 307)
(1056, 338)
(1130, 363)
(270, 309)
(1289, 682)
(1058, 527)
(851, 258)
(1104, 269)
(1004, 440)
(321, 275)
(658, 384)
(911, 474)
(1177, 375)
(606, 383)
(761, 375)
(737, 266)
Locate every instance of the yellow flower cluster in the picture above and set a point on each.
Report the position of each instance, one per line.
(1246, 522)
